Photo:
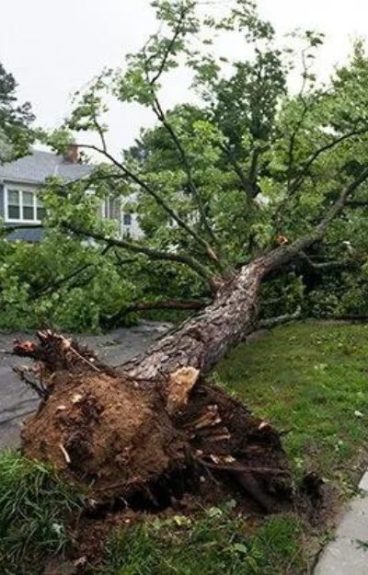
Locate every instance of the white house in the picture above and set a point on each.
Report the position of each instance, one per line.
(21, 197)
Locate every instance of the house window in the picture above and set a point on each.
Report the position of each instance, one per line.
(111, 208)
(14, 205)
(28, 211)
(24, 206)
(40, 210)
(127, 219)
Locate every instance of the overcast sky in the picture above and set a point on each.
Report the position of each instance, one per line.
(54, 47)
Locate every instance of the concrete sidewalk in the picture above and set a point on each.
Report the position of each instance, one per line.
(347, 554)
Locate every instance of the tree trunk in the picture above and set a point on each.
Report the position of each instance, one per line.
(155, 426)
(203, 340)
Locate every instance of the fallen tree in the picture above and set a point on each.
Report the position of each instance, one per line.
(155, 428)
(136, 430)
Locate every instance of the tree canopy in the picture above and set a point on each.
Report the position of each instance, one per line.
(258, 154)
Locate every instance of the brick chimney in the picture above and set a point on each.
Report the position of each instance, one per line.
(71, 155)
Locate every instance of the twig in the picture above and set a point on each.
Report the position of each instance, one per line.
(81, 357)
(65, 453)
(274, 321)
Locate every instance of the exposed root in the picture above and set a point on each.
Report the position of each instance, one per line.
(27, 375)
(125, 439)
(58, 353)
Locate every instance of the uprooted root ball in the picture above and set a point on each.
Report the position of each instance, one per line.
(120, 437)
(103, 432)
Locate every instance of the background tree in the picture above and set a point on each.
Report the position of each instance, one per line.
(15, 120)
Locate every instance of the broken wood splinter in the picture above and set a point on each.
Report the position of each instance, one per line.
(65, 453)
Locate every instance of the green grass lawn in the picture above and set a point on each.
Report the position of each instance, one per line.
(310, 380)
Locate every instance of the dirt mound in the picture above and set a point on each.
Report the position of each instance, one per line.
(104, 432)
(130, 440)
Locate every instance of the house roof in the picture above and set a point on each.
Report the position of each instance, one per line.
(38, 166)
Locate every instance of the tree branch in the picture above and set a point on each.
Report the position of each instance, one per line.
(292, 143)
(285, 253)
(162, 117)
(339, 204)
(124, 261)
(279, 320)
(294, 186)
(306, 67)
(253, 169)
(58, 283)
(166, 304)
(251, 188)
(177, 31)
(326, 266)
(150, 191)
(357, 203)
(100, 132)
(183, 305)
(151, 253)
(308, 164)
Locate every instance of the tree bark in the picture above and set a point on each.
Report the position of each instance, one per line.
(203, 340)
